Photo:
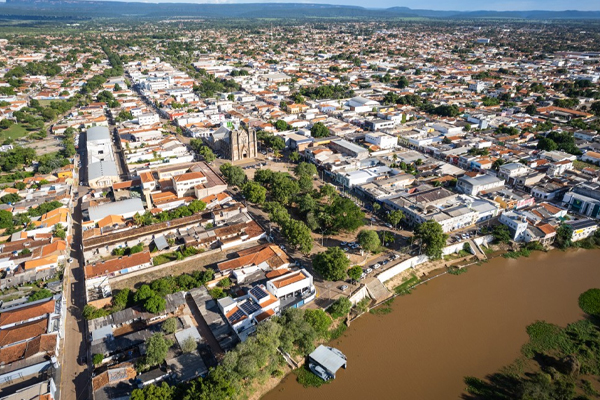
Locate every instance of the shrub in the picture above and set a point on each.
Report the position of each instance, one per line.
(97, 359)
(169, 326)
(589, 302)
(340, 308)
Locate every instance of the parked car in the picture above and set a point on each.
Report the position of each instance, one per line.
(369, 270)
(377, 265)
(343, 243)
(343, 287)
(70, 260)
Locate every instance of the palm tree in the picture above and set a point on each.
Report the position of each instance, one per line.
(376, 208)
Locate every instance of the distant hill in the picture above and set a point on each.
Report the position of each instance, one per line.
(82, 9)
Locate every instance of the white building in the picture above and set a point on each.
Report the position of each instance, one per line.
(513, 170)
(516, 223)
(294, 284)
(475, 185)
(185, 184)
(383, 140)
(148, 119)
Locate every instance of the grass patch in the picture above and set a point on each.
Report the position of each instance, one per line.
(582, 164)
(337, 332)
(307, 379)
(457, 271)
(405, 287)
(164, 258)
(384, 309)
(14, 132)
(517, 254)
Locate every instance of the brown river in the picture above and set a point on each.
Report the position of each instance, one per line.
(454, 326)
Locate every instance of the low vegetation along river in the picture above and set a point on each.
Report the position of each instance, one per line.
(455, 326)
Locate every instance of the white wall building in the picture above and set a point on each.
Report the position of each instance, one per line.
(383, 140)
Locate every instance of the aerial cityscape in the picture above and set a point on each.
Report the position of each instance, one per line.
(290, 201)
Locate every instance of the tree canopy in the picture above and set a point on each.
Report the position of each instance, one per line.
(432, 238)
(331, 264)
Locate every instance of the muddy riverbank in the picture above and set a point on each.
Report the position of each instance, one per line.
(454, 326)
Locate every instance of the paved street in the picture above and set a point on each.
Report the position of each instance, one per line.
(75, 378)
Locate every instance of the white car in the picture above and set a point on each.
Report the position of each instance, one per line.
(376, 266)
(343, 287)
(368, 270)
(362, 276)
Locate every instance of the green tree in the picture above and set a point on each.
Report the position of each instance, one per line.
(154, 392)
(156, 349)
(255, 192)
(294, 156)
(319, 130)
(189, 344)
(207, 154)
(306, 204)
(432, 237)
(502, 234)
(155, 304)
(345, 215)
(120, 299)
(331, 264)
(297, 235)
(305, 168)
(394, 217)
(281, 125)
(589, 302)
(143, 293)
(6, 219)
(531, 109)
(234, 176)
(6, 123)
(369, 240)
(319, 320)
(305, 183)
(169, 326)
(340, 308)
(356, 272)
(329, 191)
(564, 236)
(547, 144)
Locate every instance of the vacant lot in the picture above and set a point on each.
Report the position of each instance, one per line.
(14, 132)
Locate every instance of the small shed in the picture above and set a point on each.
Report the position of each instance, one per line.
(329, 358)
(161, 243)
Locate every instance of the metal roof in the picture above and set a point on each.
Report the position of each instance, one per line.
(328, 359)
(116, 208)
(97, 133)
(102, 168)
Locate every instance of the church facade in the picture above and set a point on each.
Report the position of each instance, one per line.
(234, 145)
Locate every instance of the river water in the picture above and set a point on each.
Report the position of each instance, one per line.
(454, 326)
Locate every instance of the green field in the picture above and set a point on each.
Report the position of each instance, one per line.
(14, 132)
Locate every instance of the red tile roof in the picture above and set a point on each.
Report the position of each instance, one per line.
(27, 312)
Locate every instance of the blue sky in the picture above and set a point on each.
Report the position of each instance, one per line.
(461, 5)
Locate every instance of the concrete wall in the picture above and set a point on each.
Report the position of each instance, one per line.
(403, 266)
(358, 294)
(414, 261)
